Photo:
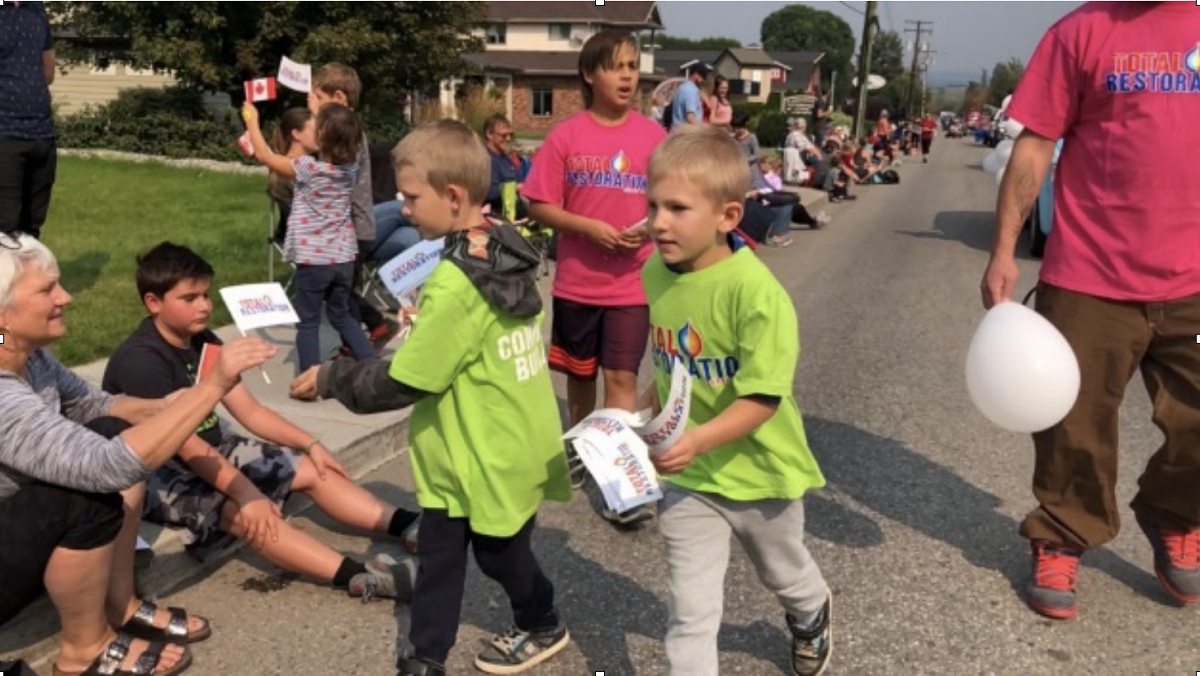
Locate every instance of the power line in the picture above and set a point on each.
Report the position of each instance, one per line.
(851, 8)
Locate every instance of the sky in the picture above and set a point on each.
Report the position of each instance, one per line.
(968, 36)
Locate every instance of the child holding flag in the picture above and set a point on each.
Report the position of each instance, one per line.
(320, 235)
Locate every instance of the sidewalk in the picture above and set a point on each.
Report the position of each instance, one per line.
(360, 442)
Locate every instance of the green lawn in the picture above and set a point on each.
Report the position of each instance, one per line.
(105, 212)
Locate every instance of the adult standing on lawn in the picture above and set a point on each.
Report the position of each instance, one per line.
(28, 152)
(688, 106)
(1120, 280)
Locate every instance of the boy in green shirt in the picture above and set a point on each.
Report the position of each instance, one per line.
(485, 433)
(743, 464)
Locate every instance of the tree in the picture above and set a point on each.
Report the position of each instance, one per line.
(887, 55)
(395, 46)
(688, 44)
(975, 96)
(1005, 77)
(804, 29)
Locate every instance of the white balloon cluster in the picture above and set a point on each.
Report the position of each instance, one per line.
(997, 160)
(1021, 372)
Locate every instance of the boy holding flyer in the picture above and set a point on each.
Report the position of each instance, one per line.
(485, 433)
(743, 464)
(224, 486)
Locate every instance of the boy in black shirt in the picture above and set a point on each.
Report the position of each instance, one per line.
(231, 486)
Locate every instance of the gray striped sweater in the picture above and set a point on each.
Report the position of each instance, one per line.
(42, 436)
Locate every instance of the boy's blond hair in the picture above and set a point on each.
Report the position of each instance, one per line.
(448, 153)
(706, 156)
(337, 77)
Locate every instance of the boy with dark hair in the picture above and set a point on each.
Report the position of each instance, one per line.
(743, 464)
(589, 184)
(223, 486)
(486, 439)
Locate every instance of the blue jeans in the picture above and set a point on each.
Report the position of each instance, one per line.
(393, 232)
(327, 285)
(783, 220)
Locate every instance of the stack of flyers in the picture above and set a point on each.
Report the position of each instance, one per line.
(617, 458)
(615, 445)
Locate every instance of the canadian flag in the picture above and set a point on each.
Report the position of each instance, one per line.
(262, 89)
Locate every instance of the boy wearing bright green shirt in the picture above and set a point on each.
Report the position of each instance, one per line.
(485, 432)
(743, 464)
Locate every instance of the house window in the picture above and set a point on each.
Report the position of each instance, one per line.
(543, 101)
(560, 31)
(497, 34)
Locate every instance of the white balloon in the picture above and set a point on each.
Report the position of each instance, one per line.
(1021, 372)
(1004, 151)
(1000, 175)
(1012, 128)
(991, 163)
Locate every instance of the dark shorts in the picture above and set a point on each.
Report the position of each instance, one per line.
(587, 338)
(175, 496)
(40, 518)
(926, 143)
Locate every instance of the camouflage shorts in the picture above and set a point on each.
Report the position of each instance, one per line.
(175, 496)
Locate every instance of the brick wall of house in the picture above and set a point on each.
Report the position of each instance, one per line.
(568, 100)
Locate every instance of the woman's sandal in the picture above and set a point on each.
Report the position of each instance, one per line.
(109, 662)
(141, 625)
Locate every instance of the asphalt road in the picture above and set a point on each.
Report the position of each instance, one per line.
(916, 531)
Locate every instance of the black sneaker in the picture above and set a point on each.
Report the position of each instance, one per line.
(419, 666)
(631, 519)
(385, 578)
(812, 647)
(518, 650)
(575, 467)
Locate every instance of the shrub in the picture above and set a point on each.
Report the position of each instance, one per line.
(771, 129)
(172, 122)
(175, 122)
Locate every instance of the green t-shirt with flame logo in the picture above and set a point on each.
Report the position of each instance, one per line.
(733, 326)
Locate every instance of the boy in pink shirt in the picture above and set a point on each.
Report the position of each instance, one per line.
(1118, 82)
(588, 182)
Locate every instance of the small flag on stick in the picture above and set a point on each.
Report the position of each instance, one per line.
(262, 89)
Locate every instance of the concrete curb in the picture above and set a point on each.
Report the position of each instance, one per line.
(182, 163)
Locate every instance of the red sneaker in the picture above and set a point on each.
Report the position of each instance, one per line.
(1051, 589)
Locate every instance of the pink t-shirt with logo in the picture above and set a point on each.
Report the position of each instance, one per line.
(1120, 84)
(597, 171)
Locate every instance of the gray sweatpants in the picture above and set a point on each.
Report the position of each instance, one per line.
(696, 527)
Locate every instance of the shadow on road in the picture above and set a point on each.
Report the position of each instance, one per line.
(972, 228)
(887, 477)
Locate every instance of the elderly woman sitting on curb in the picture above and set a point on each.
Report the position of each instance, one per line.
(60, 512)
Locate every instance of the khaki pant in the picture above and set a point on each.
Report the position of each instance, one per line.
(1075, 476)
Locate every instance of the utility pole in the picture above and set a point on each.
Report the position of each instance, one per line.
(912, 78)
(864, 67)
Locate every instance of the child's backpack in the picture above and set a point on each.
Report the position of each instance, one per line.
(889, 177)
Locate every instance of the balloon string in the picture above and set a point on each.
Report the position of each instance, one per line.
(1025, 300)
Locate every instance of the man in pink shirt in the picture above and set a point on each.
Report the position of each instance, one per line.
(588, 182)
(1119, 83)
